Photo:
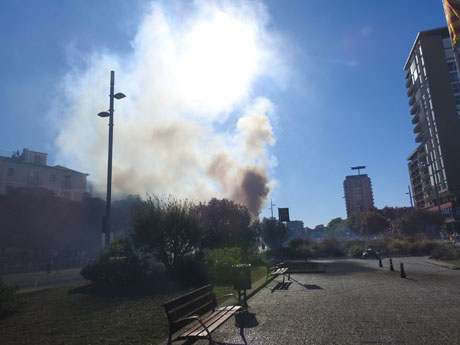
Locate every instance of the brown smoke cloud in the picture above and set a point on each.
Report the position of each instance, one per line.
(190, 125)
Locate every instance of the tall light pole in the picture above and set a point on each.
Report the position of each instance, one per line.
(106, 218)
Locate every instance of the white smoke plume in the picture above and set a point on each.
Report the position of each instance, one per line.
(191, 125)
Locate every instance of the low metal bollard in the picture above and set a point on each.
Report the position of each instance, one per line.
(403, 274)
(391, 265)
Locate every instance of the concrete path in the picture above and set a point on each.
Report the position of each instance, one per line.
(354, 302)
(34, 281)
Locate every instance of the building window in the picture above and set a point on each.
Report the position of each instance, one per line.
(67, 183)
(37, 159)
(53, 177)
(36, 175)
(10, 171)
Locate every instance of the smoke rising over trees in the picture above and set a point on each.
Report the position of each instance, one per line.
(191, 125)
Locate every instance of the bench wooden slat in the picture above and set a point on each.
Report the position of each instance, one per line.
(280, 271)
(198, 302)
(207, 321)
(187, 298)
(212, 322)
(191, 308)
(228, 314)
(177, 325)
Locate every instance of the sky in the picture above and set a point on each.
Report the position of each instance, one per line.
(250, 100)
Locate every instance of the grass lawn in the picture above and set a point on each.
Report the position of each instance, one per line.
(453, 262)
(86, 315)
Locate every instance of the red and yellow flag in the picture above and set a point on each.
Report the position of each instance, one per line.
(452, 10)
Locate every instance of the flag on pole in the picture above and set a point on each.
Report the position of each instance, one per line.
(452, 10)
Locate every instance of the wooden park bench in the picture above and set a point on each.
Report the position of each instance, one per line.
(279, 270)
(193, 307)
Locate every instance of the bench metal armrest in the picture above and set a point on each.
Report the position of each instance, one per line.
(228, 295)
(195, 317)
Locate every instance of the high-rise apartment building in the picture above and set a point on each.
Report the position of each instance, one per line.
(358, 193)
(434, 97)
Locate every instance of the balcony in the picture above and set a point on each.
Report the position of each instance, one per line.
(415, 120)
(408, 74)
(419, 138)
(413, 110)
(410, 92)
(417, 128)
(412, 101)
(409, 82)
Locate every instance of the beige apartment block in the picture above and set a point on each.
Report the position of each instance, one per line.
(29, 169)
(358, 193)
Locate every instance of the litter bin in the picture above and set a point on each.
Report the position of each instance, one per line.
(242, 276)
(242, 282)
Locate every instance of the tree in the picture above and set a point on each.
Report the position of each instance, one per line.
(121, 215)
(337, 227)
(166, 229)
(273, 232)
(226, 224)
(393, 213)
(419, 221)
(369, 222)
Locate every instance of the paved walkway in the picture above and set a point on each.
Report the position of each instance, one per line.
(354, 302)
(34, 281)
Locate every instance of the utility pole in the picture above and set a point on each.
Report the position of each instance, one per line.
(271, 206)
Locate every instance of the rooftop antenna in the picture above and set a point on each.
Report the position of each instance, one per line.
(358, 168)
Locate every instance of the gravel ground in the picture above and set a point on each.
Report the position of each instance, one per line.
(354, 302)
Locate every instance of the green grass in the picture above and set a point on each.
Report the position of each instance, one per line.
(87, 315)
(453, 262)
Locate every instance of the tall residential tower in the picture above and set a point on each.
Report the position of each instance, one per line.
(434, 97)
(358, 193)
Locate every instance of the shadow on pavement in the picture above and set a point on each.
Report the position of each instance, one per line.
(307, 286)
(350, 267)
(281, 286)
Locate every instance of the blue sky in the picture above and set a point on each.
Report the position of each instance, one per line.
(336, 88)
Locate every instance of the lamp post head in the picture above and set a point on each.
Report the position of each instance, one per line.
(103, 114)
(119, 95)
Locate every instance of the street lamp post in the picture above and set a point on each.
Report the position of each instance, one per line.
(109, 114)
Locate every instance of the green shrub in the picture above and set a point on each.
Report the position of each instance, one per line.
(381, 246)
(427, 246)
(257, 260)
(219, 264)
(356, 251)
(400, 246)
(304, 253)
(330, 247)
(300, 248)
(120, 266)
(444, 251)
(8, 299)
(191, 270)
